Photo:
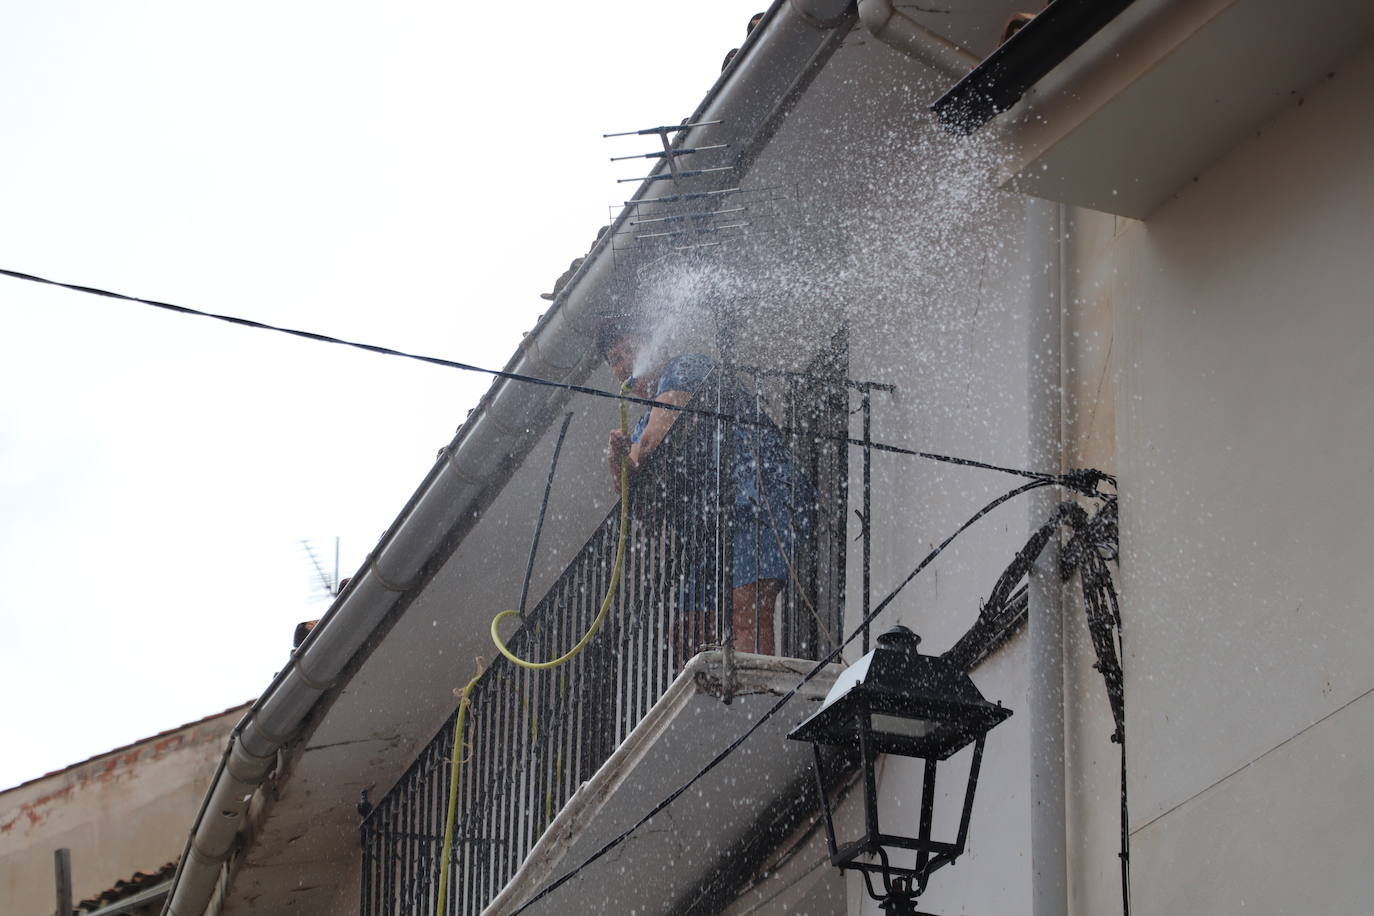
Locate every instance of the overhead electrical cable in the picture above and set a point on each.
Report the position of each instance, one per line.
(1066, 479)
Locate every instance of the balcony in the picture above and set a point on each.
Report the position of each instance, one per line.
(555, 749)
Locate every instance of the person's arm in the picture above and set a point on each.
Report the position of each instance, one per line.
(677, 384)
(620, 449)
(660, 421)
(617, 450)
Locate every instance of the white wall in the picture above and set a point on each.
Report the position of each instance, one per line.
(1246, 425)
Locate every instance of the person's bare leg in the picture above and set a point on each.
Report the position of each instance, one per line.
(753, 615)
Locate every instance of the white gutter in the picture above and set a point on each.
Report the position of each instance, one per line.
(898, 30)
(782, 49)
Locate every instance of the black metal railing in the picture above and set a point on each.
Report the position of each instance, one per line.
(532, 737)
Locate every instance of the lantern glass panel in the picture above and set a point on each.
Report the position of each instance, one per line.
(903, 726)
(856, 823)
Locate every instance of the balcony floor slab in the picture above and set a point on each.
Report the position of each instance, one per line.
(675, 854)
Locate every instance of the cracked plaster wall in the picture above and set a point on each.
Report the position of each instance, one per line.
(125, 811)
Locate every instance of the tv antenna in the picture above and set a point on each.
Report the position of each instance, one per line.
(699, 205)
(325, 585)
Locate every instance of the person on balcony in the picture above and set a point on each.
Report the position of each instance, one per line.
(775, 503)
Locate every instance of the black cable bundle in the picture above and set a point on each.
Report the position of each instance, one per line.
(1091, 546)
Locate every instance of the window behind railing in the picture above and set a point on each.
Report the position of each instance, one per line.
(534, 736)
(811, 409)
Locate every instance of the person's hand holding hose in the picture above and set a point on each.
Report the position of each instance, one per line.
(618, 457)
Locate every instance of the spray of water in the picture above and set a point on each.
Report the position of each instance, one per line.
(682, 298)
(893, 228)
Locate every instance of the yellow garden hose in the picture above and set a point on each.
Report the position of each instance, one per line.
(466, 692)
(455, 763)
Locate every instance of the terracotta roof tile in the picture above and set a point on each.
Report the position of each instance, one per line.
(126, 888)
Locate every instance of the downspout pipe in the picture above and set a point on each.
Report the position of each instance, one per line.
(501, 429)
(1045, 615)
(898, 30)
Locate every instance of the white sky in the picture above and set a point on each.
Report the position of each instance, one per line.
(409, 174)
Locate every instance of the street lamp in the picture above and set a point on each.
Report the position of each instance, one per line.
(897, 701)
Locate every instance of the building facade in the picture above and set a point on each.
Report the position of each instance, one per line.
(122, 815)
(1151, 265)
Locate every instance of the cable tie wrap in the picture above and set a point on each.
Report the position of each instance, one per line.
(1085, 480)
